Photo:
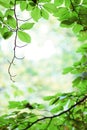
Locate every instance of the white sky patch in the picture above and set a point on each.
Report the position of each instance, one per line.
(34, 52)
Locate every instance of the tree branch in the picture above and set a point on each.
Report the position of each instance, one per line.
(54, 116)
(15, 44)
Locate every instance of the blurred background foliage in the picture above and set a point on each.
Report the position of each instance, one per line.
(40, 72)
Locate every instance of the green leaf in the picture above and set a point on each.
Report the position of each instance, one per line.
(6, 35)
(15, 104)
(1, 15)
(84, 2)
(24, 37)
(50, 7)
(11, 21)
(9, 12)
(30, 6)
(76, 1)
(77, 28)
(63, 13)
(82, 48)
(67, 3)
(44, 14)
(47, 98)
(76, 81)
(43, 1)
(57, 109)
(26, 26)
(5, 32)
(23, 5)
(36, 14)
(58, 2)
(83, 36)
(70, 20)
(5, 3)
(67, 70)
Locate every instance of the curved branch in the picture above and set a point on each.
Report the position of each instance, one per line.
(21, 46)
(61, 113)
(15, 42)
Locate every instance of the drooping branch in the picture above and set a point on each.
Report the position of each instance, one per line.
(58, 115)
(15, 44)
(15, 41)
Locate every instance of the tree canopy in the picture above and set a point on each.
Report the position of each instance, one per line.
(66, 111)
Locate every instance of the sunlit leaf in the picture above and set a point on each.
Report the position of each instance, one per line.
(23, 36)
(36, 14)
(26, 26)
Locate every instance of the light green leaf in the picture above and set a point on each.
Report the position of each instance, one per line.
(24, 37)
(26, 26)
(67, 3)
(50, 7)
(44, 14)
(36, 14)
(58, 2)
(76, 81)
(84, 2)
(1, 15)
(47, 98)
(5, 3)
(67, 70)
(23, 5)
(9, 12)
(63, 13)
(57, 109)
(43, 1)
(77, 28)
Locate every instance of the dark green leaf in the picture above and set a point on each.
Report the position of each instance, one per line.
(6, 35)
(11, 21)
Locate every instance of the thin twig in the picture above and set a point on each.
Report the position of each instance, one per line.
(24, 20)
(21, 46)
